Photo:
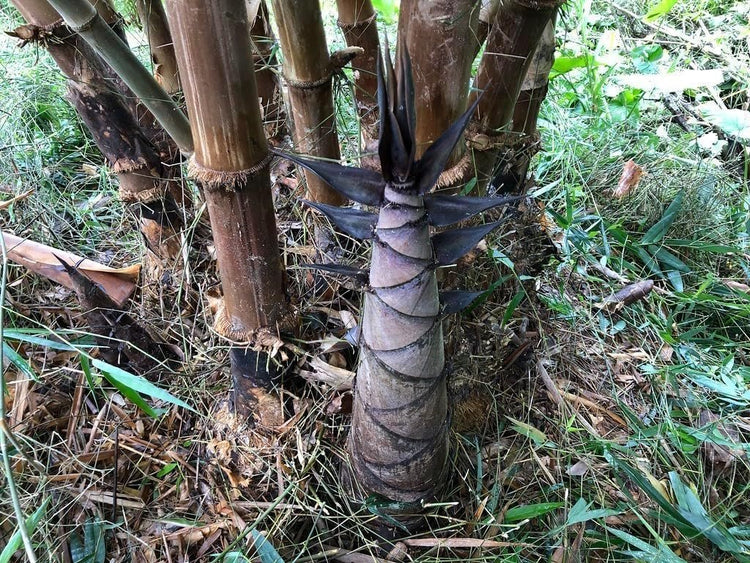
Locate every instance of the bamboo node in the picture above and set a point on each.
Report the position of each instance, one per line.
(215, 180)
(482, 139)
(261, 338)
(455, 173)
(358, 25)
(308, 84)
(155, 193)
(86, 25)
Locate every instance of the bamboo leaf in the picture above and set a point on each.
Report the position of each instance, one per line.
(357, 184)
(19, 361)
(15, 542)
(660, 554)
(124, 380)
(580, 512)
(354, 222)
(528, 511)
(92, 548)
(693, 511)
(659, 9)
(266, 551)
(657, 232)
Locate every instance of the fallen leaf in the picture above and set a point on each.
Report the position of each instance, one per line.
(117, 283)
(720, 456)
(578, 469)
(631, 176)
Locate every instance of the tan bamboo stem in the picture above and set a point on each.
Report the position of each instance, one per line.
(442, 65)
(358, 23)
(84, 19)
(266, 74)
(231, 161)
(154, 21)
(515, 32)
(526, 112)
(309, 72)
(133, 158)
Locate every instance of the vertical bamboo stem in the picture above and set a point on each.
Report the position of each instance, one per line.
(515, 32)
(308, 72)
(83, 18)
(154, 21)
(266, 65)
(439, 38)
(133, 158)
(358, 23)
(231, 161)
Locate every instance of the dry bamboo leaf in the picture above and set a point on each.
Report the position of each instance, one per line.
(578, 469)
(106, 497)
(737, 286)
(631, 175)
(8, 202)
(338, 378)
(117, 283)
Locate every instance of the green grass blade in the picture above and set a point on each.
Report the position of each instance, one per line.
(15, 542)
(120, 377)
(20, 362)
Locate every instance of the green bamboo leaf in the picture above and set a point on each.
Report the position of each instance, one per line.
(580, 513)
(660, 554)
(33, 339)
(19, 361)
(15, 542)
(517, 298)
(119, 377)
(693, 511)
(657, 232)
(92, 548)
(266, 551)
(234, 557)
(659, 10)
(135, 398)
(528, 511)
(563, 64)
(539, 437)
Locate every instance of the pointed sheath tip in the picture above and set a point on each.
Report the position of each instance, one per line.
(354, 222)
(358, 184)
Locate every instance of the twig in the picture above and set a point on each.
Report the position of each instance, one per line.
(12, 491)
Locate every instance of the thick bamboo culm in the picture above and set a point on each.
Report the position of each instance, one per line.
(442, 67)
(108, 116)
(154, 22)
(309, 75)
(357, 21)
(83, 18)
(231, 162)
(266, 71)
(513, 37)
